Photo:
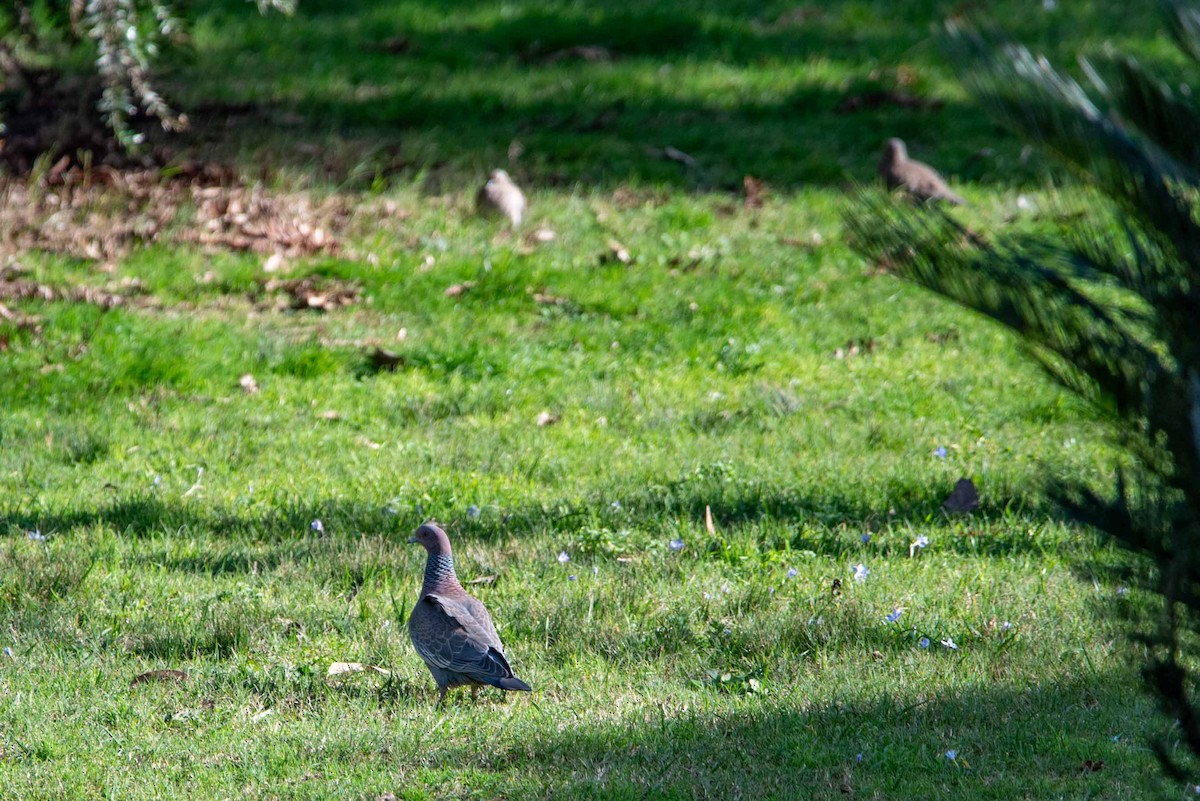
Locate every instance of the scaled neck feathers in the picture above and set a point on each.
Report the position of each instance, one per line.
(439, 573)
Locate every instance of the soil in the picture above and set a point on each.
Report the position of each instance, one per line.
(55, 122)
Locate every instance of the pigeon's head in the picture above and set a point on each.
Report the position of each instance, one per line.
(500, 177)
(895, 150)
(432, 538)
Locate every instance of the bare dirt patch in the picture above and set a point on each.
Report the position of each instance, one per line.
(56, 119)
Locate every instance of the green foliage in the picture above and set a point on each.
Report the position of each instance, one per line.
(1109, 306)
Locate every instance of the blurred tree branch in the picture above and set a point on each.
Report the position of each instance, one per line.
(125, 37)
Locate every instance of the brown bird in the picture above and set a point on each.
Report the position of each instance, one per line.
(500, 196)
(452, 631)
(916, 178)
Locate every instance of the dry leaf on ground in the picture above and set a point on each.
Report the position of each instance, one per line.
(458, 290)
(963, 498)
(616, 252)
(345, 668)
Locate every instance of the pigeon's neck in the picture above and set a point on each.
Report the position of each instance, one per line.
(439, 571)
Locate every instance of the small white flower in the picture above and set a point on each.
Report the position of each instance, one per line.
(1005, 626)
(595, 570)
(921, 541)
(36, 535)
(728, 632)
(952, 754)
(615, 506)
(895, 615)
(563, 558)
(1122, 592)
(572, 577)
(792, 572)
(473, 512)
(861, 572)
(923, 642)
(949, 643)
(675, 544)
(8, 651)
(858, 758)
(708, 596)
(317, 526)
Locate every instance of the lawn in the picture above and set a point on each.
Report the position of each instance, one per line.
(321, 330)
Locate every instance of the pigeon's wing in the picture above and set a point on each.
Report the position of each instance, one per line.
(479, 614)
(927, 184)
(446, 635)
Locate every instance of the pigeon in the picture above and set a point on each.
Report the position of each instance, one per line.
(500, 196)
(916, 178)
(452, 631)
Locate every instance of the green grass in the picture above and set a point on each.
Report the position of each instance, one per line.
(703, 375)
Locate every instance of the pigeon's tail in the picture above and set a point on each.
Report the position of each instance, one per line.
(512, 683)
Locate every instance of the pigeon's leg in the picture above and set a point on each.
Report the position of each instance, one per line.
(441, 697)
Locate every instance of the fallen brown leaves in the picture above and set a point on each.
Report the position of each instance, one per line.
(458, 290)
(20, 289)
(856, 347)
(616, 253)
(100, 214)
(92, 221)
(251, 219)
(312, 293)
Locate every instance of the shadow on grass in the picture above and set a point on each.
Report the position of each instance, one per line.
(767, 517)
(1039, 741)
(736, 504)
(596, 94)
